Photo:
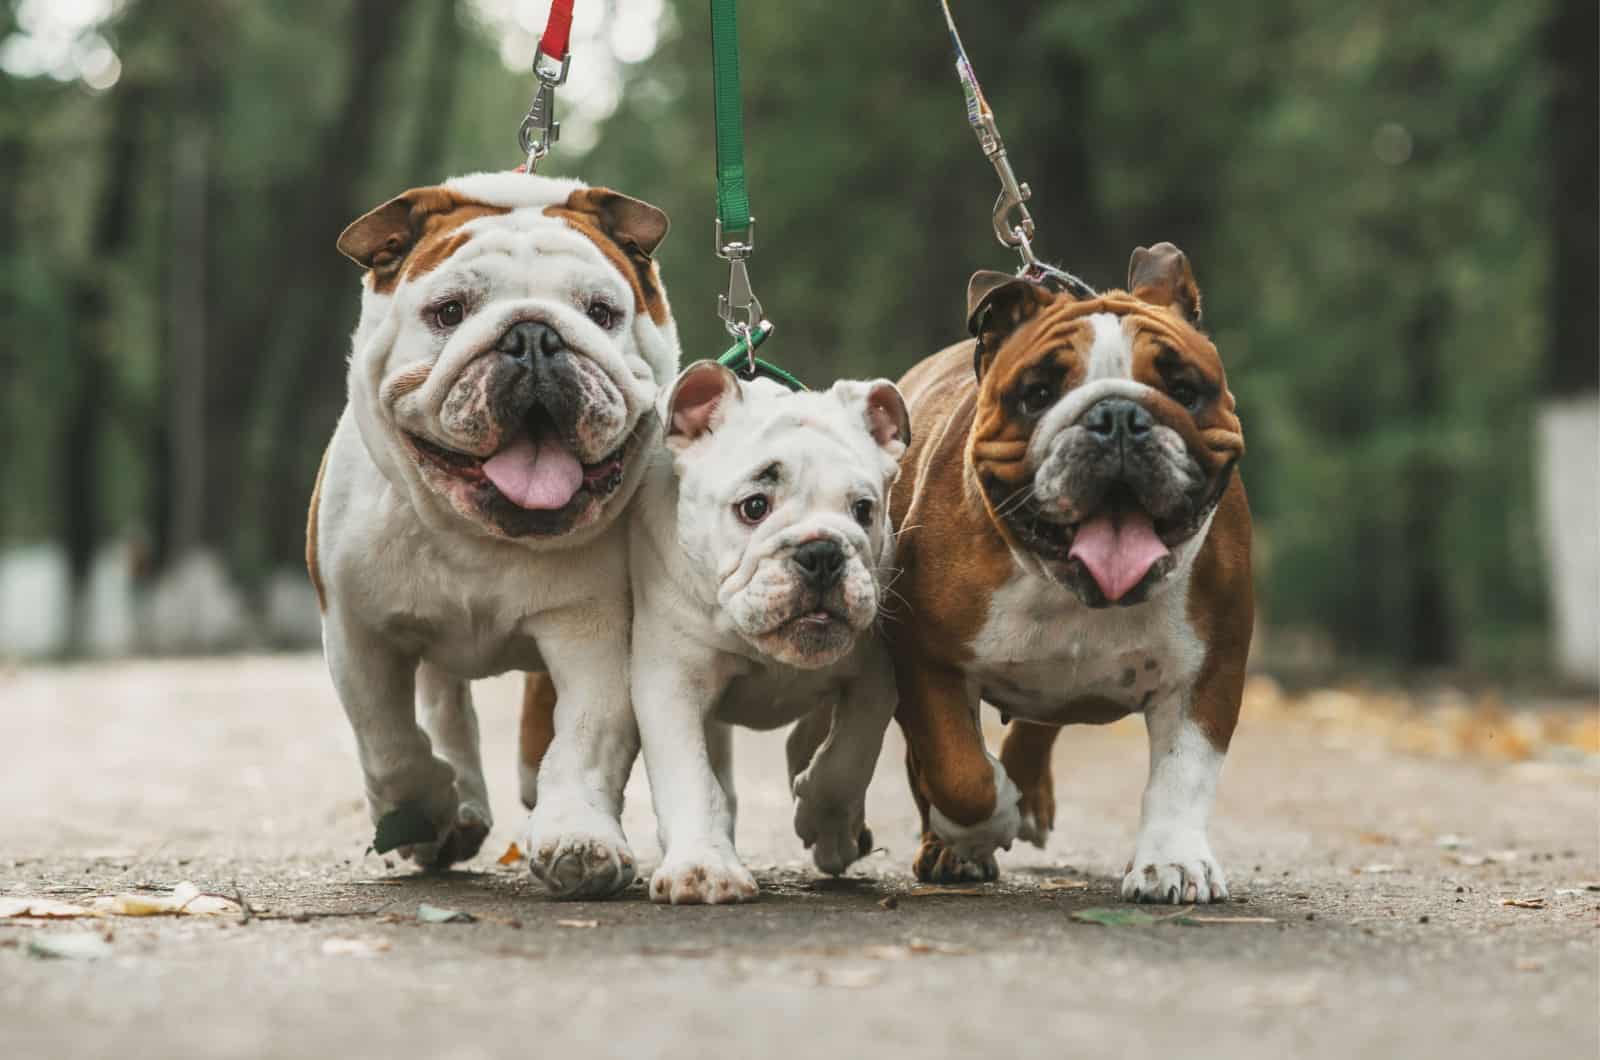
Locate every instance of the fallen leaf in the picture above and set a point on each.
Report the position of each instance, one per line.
(1529, 964)
(1199, 921)
(937, 892)
(43, 909)
(1115, 917)
(82, 946)
(1376, 839)
(1452, 841)
(578, 923)
(185, 900)
(512, 856)
(1062, 883)
(354, 947)
(1568, 892)
(1375, 870)
(1524, 903)
(432, 914)
(403, 826)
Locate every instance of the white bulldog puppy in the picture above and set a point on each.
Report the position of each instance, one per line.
(760, 549)
(513, 337)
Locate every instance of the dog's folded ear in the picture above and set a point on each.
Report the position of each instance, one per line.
(997, 303)
(882, 408)
(632, 223)
(692, 405)
(1161, 275)
(381, 238)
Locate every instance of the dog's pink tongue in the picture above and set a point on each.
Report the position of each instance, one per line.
(1118, 550)
(536, 473)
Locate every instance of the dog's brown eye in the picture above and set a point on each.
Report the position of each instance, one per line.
(602, 314)
(1037, 398)
(450, 314)
(862, 510)
(753, 508)
(1185, 394)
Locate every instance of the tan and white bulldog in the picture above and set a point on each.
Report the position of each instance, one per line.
(1076, 548)
(513, 336)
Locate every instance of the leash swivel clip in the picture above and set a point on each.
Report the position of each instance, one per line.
(540, 130)
(1013, 197)
(739, 308)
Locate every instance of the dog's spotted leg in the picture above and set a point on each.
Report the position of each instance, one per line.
(1172, 859)
(573, 837)
(411, 793)
(444, 704)
(1025, 752)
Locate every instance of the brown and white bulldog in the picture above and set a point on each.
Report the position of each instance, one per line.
(514, 333)
(1076, 548)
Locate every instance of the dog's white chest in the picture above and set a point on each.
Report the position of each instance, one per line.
(1044, 656)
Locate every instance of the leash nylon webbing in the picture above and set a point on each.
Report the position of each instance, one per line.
(733, 198)
(739, 308)
(557, 31)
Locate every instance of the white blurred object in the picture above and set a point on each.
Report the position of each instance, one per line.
(1569, 497)
(292, 616)
(110, 624)
(194, 608)
(35, 601)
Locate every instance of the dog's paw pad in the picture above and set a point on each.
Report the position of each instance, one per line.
(937, 862)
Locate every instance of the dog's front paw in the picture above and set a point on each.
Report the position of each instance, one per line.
(1175, 869)
(836, 838)
(978, 842)
(423, 818)
(577, 853)
(706, 875)
(937, 862)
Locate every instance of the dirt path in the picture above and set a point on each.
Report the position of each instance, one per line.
(1384, 875)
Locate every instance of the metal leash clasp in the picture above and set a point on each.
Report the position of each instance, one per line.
(739, 309)
(1013, 196)
(540, 130)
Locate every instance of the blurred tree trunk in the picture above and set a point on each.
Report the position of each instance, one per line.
(299, 424)
(303, 270)
(78, 444)
(1569, 414)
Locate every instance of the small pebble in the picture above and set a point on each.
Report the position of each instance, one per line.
(1423, 919)
(890, 903)
(1311, 916)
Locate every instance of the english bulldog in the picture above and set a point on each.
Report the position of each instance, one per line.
(760, 542)
(1076, 548)
(513, 336)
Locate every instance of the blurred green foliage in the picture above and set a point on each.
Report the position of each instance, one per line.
(1361, 187)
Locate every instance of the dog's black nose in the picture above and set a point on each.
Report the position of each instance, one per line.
(820, 561)
(1118, 419)
(528, 340)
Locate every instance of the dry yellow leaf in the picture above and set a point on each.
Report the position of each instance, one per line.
(512, 856)
(578, 923)
(1062, 883)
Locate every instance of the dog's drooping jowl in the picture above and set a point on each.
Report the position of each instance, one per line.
(514, 333)
(1076, 548)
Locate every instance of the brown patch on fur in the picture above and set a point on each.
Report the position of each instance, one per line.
(1222, 606)
(405, 382)
(312, 567)
(589, 210)
(538, 726)
(411, 234)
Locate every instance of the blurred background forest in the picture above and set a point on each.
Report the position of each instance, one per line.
(1391, 209)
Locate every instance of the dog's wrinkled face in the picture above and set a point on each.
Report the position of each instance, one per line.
(1105, 432)
(783, 505)
(513, 336)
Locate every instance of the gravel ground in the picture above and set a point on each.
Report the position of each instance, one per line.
(1384, 875)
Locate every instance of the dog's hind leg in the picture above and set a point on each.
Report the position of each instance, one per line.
(444, 705)
(538, 728)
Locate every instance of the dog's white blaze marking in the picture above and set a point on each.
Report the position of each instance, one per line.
(1111, 351)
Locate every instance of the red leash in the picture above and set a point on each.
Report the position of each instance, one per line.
(540, 129)
(557, 31)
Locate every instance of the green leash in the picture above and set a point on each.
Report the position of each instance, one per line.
(739, 309)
